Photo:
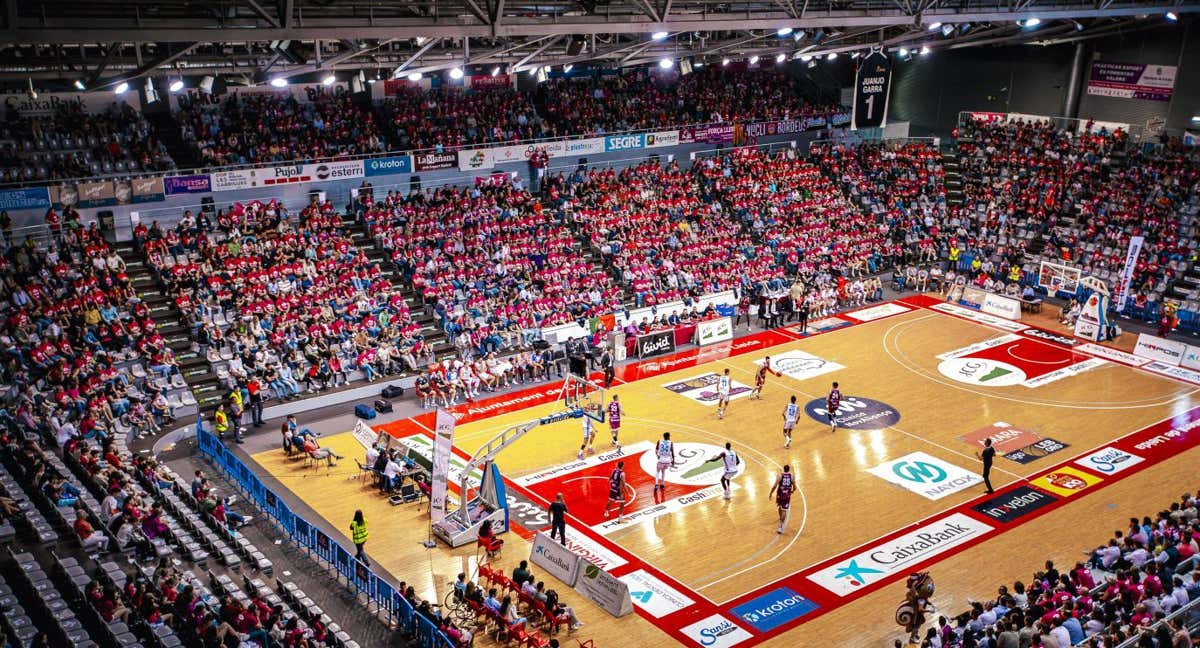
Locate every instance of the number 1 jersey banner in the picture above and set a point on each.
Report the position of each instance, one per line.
(443, 447)
(871, 89)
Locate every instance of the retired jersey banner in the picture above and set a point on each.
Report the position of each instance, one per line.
(1132, 81)
(871, 89)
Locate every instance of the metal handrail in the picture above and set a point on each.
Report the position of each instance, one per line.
(382, 154)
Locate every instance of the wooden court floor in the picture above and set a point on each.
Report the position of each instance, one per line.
(720, 550)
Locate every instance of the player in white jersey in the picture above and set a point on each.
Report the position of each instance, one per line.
(614, 419)
(723, 385)
(665, 451)
(589, 435)
(731, 463)
(790, 414)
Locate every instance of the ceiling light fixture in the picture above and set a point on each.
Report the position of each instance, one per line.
(935, 26)
(456, 73)
(329, 80)
(659, 35)
(122, 88)
(666, 64)
(784, 31)
(279, 82)
(176, 85)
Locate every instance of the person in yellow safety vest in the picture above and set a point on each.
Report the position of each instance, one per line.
(953, 256)
(976, 264)
(1014, 274)
(236, 404)
(358, 534)
(222, 422)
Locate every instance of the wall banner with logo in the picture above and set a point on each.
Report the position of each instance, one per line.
(443, 444)
(434, 161)
(1131, 259)
(188, 184)
(93, 194)
(476, 159)
(287, 174)
(143, 190)
(662, 138)
(872, 87)
(30, 198)
(709, 134)
(1132, 80)
(399, 164)
(626, 142)
(655, 344)
(47, 103)
(713, 331)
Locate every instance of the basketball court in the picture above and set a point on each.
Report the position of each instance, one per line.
(1084, 434)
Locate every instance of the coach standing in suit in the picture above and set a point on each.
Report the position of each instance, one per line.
(606, 363)
(986, 456)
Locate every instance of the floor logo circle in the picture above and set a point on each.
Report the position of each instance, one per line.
(856, 413)
(692, 465)
(982, 372)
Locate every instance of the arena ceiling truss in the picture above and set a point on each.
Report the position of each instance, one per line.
(100, 43)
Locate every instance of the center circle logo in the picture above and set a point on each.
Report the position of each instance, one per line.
(981, 372)
(855, 413)
(692, 465)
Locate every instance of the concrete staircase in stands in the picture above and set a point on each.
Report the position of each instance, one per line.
(433, 333)
(195, 368)
(953, 177)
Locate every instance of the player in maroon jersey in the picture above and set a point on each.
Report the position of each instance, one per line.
(760, 378)
(784, 486)
(614, 419)
(616, 492)
(832, 402)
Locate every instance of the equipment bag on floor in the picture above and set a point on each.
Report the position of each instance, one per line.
(392, 391)
(364, 411)
(383, 406)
